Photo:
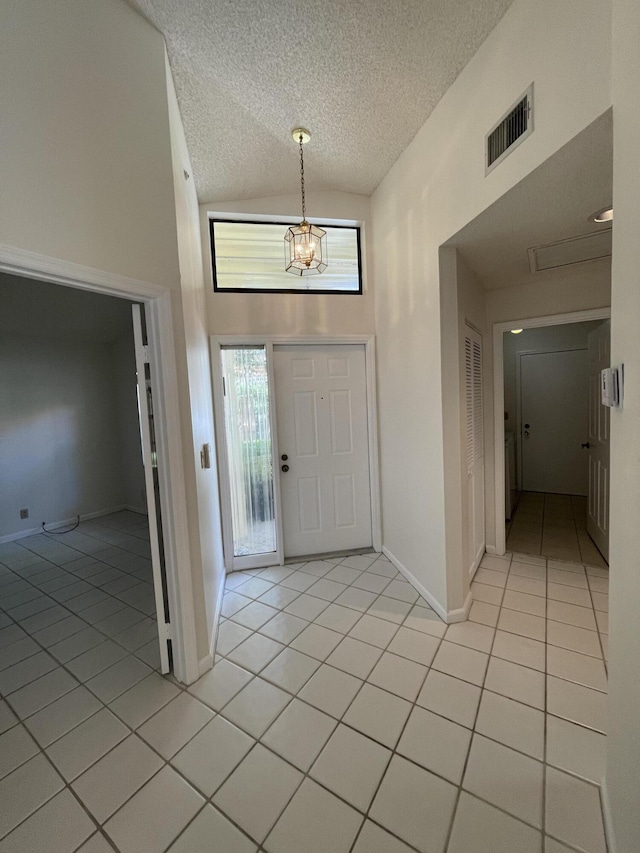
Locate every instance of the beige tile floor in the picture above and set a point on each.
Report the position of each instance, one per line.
(553, 526)
(341, 713)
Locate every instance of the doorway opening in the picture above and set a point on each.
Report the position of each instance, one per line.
(297, 448)
(553, 452)
(80, 461)
(70, 280)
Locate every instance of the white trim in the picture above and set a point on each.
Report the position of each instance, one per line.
(205, 664)
(607, 817)
(157, 298)
(273, 425)
(462, 613)
(22, 262)
(143, 358)
(476, 563)
(498, 399)
(269, 341)
(447, 616)
(22, 534)
(202, 666)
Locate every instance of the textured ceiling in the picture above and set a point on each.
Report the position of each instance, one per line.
(552, 203)
(362, 75)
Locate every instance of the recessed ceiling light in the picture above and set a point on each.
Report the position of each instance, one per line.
(516, 331)
(604, 215)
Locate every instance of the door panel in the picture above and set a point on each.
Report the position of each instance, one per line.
(599, 418)
(554, 394)
(474, 448)
(321, 409)
(150, 461)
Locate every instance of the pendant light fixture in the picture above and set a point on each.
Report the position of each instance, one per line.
(305, 245)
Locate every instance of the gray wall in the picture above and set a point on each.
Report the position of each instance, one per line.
(69, 440)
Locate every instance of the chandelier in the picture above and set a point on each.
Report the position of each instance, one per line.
(305, 245)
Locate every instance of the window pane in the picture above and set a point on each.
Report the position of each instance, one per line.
(248, 431)
(250, 256)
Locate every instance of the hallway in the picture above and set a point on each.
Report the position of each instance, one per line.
(341, 713)
(553, 526)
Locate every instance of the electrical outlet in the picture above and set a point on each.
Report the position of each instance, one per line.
(24, 513)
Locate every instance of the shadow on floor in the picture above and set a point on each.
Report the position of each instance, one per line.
(553, 526)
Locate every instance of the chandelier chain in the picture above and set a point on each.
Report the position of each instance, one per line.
(302, 177)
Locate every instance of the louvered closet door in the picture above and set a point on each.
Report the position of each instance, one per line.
(474, 447)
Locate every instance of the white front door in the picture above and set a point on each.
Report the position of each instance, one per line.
(475, 448)
(323, 445)
(554, 421)
(598, 503)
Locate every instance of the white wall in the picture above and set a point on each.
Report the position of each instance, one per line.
(86, 170)
(60, 440)
(208, 571)
(130, 450)
(295, 313)
(623, 755)
(435, 188)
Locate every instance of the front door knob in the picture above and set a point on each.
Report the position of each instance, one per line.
(586, 444)
(285, 468)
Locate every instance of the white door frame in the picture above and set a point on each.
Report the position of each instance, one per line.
(498, 399)
(157, 301)
(269, 341)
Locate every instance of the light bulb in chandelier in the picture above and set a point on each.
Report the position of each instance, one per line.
(305, 245)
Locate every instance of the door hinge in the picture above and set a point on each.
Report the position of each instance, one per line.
(145, 353)
(164, 631)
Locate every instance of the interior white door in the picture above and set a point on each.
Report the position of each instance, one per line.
(554, 421)
(598, 503)
(323, 442)
(150, 462)
(474, 447)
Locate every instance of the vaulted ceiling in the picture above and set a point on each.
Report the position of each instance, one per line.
(361, 75)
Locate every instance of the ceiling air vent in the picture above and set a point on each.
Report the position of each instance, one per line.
(512, 129)
(575, 250)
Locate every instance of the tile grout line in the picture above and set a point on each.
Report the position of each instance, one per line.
(414, 704)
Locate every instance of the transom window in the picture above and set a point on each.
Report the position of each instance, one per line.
(248, 257)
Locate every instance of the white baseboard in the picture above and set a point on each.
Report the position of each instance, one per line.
(205, 664)
(447, 616)
(66, 522)
(216, 621)
(462, 613)
(607, 817)
(491, 549)
(139, 510)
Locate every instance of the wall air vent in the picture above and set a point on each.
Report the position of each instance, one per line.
(575, 250)
(512, 129)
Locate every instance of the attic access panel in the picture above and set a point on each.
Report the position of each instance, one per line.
(575, 250)
(248, 257)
